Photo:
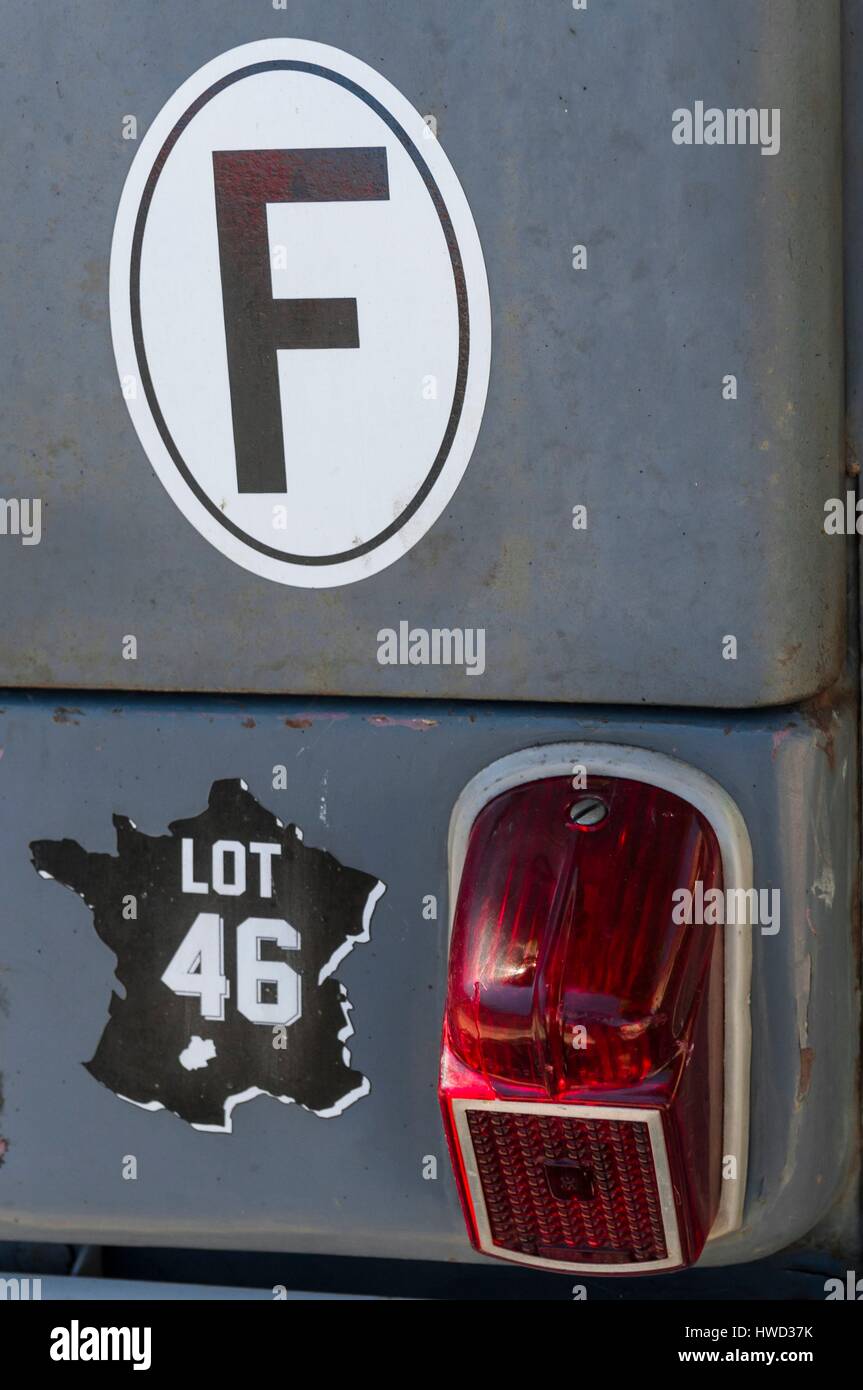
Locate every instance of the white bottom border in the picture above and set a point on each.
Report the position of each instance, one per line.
(661, 1171)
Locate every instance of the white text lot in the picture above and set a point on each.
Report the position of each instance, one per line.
(232, 865)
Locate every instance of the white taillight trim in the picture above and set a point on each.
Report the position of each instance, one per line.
(662, 1174)
(715, 804)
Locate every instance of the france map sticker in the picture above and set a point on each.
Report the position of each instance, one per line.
(300, 313)
(227, 933)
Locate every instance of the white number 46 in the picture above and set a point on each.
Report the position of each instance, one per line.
(197, 968)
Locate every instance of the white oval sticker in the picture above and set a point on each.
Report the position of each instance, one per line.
(300, 313)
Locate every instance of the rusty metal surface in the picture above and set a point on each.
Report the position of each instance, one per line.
(374, 784)
(705, 516)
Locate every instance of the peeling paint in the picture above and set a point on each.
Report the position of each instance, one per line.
(385, 721)
(803, 984)
(64, 716)
(824, 886)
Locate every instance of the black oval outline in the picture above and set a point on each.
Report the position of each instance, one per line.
(281, 64)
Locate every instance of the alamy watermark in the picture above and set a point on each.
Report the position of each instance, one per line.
(733, 126)
(849, 1289)
(437, 646)
(18, 1289)
(77, 1343)
(843, 516)
(21, 516)
(719, 907)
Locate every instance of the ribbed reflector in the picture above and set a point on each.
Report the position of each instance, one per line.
(568, 1189)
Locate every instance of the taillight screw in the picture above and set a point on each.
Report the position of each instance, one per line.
(588, 811)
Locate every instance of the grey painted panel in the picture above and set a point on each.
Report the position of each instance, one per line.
(375, 785)
(705, 516)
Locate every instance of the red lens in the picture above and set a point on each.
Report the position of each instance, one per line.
(576, 982)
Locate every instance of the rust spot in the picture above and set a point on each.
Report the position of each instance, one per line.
(820, 717)
(64, 716)
(807, 1059)
(299, 723)
(821, 713)
(249, 723)
(789, 651)
(4, 1149)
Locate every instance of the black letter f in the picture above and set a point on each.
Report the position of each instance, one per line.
(256, 324)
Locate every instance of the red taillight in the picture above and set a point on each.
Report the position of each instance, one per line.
(581, 1079)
